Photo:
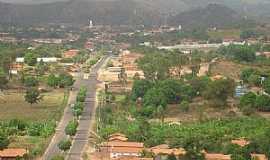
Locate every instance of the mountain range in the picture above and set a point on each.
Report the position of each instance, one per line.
(147, 12)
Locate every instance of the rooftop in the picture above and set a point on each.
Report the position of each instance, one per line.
(13, 152)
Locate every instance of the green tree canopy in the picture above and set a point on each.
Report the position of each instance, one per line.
(30, 59)
(32, 96)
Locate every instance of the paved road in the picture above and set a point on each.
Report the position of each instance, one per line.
(81, 138)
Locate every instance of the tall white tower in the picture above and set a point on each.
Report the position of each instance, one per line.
(91, 25)
(180, 27)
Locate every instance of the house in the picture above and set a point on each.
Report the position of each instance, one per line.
(118, 147)
(163, 151)
(259, 157)
(121, 149)
(47, 59)
(241, 142)
(118, 137)
(215, 156)
(134, 158)
(71, 53)
(12, 153)
(266, 54)
(15, 67)
(19, 60)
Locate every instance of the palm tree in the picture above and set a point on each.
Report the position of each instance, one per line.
(160, 113)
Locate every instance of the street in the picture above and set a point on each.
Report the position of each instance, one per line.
(81, 138)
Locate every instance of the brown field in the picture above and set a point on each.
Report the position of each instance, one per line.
(198, 110)
(229, 33)
(227, 69)
(13, 106)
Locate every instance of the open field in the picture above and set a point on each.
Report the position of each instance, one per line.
(230, 33)
(13, 106)
(227, 69)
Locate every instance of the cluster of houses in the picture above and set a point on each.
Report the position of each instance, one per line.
(124, 64)
(119, 148)
(18, 65)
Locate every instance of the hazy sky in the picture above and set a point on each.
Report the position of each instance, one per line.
(30, 1)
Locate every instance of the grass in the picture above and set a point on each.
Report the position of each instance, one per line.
(36, 145)
(13, 106)
(229, 33)
(50, 108)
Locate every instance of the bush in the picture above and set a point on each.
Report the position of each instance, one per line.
(65, 80)
(64, 145)
(58, 157)
(81, 95)
(248, 100)
(262, 103)
(77, 109)
(30, 82)
(184, 106)
(71, 128)
(4, 141)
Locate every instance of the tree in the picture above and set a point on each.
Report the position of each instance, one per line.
(262, 103)
(155, 97)
(30, 59)
(266, 85)
(184, 106)
(52, 81)
(254, 80)
(246, 73)
(248, 99)
(247, 103)
(218, 91)
(30, 81)
(155, 66)
(139, 89)
(64, 145)
(41, 68)
(160, 113)
(32, 96)
(3, 78)
(4, 141)
(65, 80)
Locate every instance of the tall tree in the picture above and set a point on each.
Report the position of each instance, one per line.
(30, 59)
(32, 96)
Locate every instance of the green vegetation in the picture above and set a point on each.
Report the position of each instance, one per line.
(250, 102)
(64, 145)
(32, 96)
(58, 157)
(71, 128)
(242, 53)
(63, 80)
(30, 58)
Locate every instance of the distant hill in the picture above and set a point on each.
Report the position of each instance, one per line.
(213, 15)
(117, 12)
(79, 12)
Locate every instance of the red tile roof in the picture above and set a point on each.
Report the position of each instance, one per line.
(213, 156)
(12, 153)
(259, 156)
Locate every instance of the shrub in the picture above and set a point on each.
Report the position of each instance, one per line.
(64, 145)
(30, 82)
(71, 128)
(81, 95)
(184, 106)
(58, 157)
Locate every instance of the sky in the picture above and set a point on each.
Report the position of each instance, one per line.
(30, 1)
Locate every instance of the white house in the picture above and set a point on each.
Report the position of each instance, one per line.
(20, 60)
(48, 59)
